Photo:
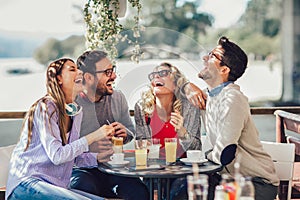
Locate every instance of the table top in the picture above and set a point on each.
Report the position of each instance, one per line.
(179, 169)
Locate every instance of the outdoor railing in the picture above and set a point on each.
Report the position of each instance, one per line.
(254, 111)
(12, 115)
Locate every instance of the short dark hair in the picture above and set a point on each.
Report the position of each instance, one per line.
(234, 57)
(87, 61)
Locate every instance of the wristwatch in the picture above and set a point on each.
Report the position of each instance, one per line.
(186, 136)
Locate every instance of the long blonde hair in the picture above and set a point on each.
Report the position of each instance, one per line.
(54, 93)
(148, 97)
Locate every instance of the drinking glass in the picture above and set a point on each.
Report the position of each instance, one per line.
(154, 146)
(197, 186)
(141, 152)
(170, 148)
(117, 144)
(230, 186)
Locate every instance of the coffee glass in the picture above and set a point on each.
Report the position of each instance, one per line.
(170, 148)
(117, 144)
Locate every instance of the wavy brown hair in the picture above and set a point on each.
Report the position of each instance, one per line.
(54, 93)
(148, 98)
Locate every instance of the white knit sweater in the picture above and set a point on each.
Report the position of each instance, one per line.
(228, 121)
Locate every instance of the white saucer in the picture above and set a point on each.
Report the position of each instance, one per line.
(122, 164)
(191, 162)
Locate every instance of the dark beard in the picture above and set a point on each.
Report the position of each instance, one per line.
(102, 92)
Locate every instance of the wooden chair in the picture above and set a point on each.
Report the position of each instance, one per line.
(283, 156)
(288, 131)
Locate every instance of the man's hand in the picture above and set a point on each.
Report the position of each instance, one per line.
(195, 95)
(120, 130)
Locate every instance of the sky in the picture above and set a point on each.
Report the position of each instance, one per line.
(57, 16)
(226, 12)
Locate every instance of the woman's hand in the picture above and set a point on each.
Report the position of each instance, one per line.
(106, 130)
(101, 145)
(176, 120)
(102, 132)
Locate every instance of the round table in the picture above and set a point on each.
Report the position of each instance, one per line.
(165, 172)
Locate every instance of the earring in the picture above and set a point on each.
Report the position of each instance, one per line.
(72, 109)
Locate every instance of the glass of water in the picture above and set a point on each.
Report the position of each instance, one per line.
(197, 186)
(154, 146)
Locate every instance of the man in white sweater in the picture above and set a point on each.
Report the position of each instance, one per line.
(230, 128)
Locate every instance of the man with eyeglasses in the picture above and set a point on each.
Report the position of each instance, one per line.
(229, 125)
(103, 105)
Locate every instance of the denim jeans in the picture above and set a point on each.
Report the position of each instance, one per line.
(36, 189)
(93, 181)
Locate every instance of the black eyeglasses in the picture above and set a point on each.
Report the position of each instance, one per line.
(161, 73)
(107, 72)
(220, 59)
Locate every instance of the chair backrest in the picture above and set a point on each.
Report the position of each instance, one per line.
(283, 155)
(291, 122)
(5, 154)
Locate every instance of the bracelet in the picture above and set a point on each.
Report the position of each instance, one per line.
(186, 135)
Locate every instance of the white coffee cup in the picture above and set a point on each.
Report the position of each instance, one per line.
(117, 157)
(194, 155)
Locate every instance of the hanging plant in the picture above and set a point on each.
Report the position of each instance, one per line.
(137, 52)
(103, 27)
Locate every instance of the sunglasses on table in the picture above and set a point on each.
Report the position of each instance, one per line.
(162, 73)
(107, 72)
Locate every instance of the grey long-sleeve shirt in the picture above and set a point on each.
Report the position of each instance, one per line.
(113, 108)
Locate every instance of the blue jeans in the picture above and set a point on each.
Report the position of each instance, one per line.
(36, 189)
(178, 188)
(95, 182)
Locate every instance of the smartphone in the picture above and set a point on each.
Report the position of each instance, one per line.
(146, 168)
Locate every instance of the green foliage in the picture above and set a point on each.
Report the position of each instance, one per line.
(258, 30)
(180, 19)
(52, 49)
(271, 27)
(102, 24)
(103, 27)
(260, 51)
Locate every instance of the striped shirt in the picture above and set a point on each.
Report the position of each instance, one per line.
(46, 158)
